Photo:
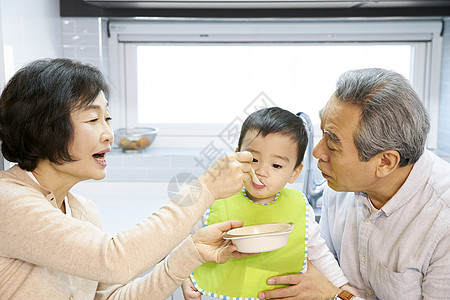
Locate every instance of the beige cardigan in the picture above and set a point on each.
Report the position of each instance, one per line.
(45, 254)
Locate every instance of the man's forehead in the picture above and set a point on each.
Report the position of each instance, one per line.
(340, 118)
(324, 112)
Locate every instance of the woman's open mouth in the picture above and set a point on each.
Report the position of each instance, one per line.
(100, 158)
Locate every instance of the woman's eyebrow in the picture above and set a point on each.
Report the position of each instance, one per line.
(92, 106)
(95, 107)
(333, 137)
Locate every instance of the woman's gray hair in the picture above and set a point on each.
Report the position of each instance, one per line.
(392, 115)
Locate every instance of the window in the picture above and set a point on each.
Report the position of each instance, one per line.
(191, 82)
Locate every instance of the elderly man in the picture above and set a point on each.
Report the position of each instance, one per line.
(387, 215)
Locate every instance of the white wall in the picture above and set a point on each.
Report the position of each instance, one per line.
(31, 30)
(444, 104)
(2, 69)
(2, 83)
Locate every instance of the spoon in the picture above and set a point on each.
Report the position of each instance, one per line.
(254, 177)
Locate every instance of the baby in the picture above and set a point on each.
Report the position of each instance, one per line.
(277, 139)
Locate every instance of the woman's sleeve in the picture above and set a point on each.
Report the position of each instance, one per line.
(161, 281)
(32, 230)
(199, 225)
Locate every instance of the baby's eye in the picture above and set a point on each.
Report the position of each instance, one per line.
(108, 119)
(276, 166)
(93, 120)
(255, 160)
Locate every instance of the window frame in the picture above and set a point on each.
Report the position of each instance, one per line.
(125, 35)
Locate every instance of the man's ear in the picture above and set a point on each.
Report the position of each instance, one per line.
(295, 173)
(388, 161)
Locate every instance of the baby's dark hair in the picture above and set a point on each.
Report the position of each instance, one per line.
(35, 109)
(277, 120)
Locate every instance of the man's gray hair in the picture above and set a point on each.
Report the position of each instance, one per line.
(392, 115)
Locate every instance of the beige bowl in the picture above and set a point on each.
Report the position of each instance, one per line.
(260, 238)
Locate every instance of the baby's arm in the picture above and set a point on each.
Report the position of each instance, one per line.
(322, 258)
(189, 290)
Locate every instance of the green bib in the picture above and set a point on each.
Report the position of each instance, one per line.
(245, 277)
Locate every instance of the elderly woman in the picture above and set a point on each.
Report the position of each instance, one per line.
(55, 124)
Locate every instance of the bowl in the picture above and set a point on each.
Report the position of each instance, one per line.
(260, 238)
(135, 139)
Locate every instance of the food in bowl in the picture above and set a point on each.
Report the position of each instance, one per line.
(260, 238)
(135, 139)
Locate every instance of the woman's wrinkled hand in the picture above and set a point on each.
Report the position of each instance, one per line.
(227, 176)
(211, 245)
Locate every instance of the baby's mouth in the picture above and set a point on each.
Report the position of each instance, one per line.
(255, 178)
(258, 186)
